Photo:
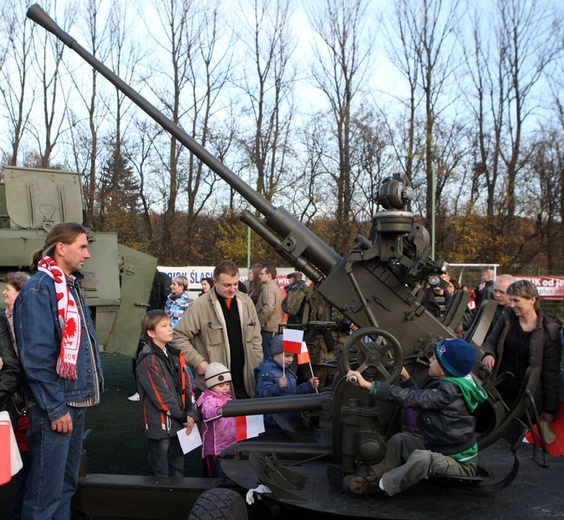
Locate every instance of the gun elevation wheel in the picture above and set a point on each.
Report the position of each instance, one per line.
(374, 352)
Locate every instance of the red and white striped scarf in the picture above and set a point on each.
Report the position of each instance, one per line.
(69, 319)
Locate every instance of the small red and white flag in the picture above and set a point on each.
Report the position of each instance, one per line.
(248, 426)
(292, 340)
(303, 356)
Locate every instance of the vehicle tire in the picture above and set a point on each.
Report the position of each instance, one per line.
(219, 504)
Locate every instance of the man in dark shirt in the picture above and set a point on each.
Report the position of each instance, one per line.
(222, 326)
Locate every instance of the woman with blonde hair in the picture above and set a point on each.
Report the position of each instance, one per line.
(526, 338)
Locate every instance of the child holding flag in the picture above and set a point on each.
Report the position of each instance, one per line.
(275, 377)
(218, 432)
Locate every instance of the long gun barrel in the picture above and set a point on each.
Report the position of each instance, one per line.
(282, 230)
(295, 403)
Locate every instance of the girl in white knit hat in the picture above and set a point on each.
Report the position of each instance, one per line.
(218, 432)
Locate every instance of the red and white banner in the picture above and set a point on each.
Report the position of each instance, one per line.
(549, 287)
(248, 426)
(292, 340)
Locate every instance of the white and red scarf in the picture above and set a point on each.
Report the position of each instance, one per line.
(69, 319)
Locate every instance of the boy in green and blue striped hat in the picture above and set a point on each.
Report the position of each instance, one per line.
(444, 406)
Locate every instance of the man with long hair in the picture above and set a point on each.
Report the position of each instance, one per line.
(61, 361)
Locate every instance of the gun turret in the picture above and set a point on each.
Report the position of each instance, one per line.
(375, 285)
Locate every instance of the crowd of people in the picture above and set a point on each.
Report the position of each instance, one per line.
(196, 354)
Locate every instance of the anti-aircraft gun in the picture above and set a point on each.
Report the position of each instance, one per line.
(376, 286)
(117, 279)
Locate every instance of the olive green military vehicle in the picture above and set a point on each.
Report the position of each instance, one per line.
(117, 279)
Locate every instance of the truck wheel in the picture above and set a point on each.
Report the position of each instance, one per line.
(219, 504)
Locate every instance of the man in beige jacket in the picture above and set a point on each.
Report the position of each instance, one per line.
(269, 307)
(222, 326)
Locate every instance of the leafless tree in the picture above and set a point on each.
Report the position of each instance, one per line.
(426, 57)
(542, 197)
(84, 131)
(193, 67)
(372, 161)
(169, 81)
(507, 74)
(16, 78)
(267, 82)
(48, 64)
(530, 39)
(116, 183)
(140, 155)
(306, 192)
(209, 68)
(341, 59)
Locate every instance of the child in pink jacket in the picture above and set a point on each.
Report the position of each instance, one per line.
(218, 432)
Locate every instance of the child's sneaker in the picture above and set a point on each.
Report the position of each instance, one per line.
(362, 485)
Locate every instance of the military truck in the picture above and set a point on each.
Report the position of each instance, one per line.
(117, 279)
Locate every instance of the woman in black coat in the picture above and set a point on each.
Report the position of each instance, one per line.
(10, 373)
(526, 337)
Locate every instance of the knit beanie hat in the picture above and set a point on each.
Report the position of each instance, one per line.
(277, 345)
(455, 356)
(216, 373)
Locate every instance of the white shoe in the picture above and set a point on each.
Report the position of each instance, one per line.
(134, 397)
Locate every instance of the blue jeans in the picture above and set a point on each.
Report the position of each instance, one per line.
(54, 466)
(267, 338)
(15, 512)
(166, 458)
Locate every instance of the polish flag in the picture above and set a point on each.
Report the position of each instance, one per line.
(303, 356)
(248, 426)
(10, 459)
(292, 340)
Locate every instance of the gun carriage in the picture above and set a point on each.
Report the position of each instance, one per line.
(376, 285)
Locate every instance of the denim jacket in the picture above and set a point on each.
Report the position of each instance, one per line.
(38, 336)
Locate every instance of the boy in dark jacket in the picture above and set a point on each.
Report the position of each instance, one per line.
(166, 394)
(444, 408)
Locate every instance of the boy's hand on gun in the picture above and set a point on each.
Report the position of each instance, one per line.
(404, 374)
(189, 425)
(283, 382)
(314, 381)
(354, 377)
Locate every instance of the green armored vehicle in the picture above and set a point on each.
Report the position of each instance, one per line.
(117, 278)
